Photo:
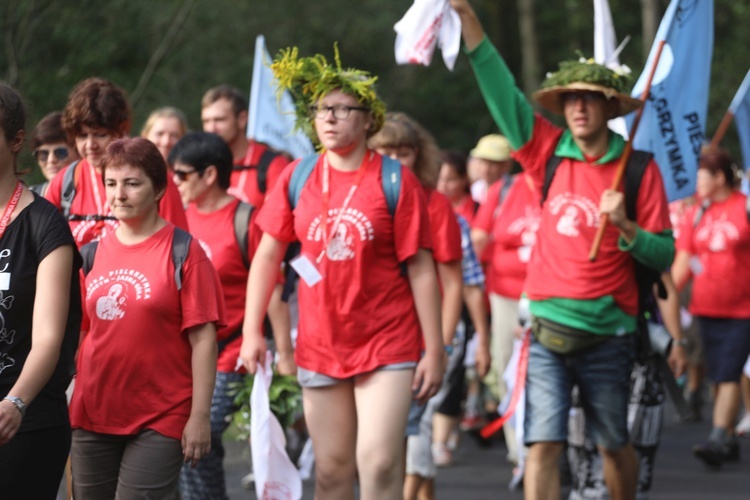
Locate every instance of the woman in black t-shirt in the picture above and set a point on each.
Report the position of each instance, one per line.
(39, 303)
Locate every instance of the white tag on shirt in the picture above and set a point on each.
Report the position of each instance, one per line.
(306, 269)
(695, 265)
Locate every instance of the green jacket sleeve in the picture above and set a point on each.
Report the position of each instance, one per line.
(654, 250)
(507, 104)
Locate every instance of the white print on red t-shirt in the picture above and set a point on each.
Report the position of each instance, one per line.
(108, 307)
(716, 232)
(576, 210)
(352, 224)
(206, 249)
(128, 278)
(82, 229)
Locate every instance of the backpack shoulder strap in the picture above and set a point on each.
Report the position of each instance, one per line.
(69, 185)
(180, 247)
(549, 174)
(635, 169)
(299, 177)
(747, 208)
(88, 253)
(265, 161)
(507, 183)
(241, 220)
(391, 179)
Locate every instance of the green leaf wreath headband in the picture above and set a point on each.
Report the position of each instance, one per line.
(309, 79)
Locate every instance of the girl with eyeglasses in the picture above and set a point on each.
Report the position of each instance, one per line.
(51, 149)
(368, 288)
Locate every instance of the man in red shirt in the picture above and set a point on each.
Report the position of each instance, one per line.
(585, 313)
(256, 168)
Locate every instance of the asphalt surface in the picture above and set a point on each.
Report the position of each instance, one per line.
(481, 473)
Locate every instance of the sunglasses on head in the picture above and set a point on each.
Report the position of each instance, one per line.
(42, 155)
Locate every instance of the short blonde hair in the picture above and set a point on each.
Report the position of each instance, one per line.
(165, 112)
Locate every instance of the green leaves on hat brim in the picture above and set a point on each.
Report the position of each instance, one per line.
(309, 79)
(587, 71)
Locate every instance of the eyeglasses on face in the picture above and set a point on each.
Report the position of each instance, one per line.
(42, 155)
(183, 174)
(340, 111)
(586, 97)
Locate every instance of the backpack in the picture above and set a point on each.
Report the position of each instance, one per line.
(636, 167)
(390, 172)
(180, 246)
(71, 178)
(266, 158)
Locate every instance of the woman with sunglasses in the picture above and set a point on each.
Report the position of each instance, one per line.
(39, 303)
(361, 312)
(51, 149)
(97, 113)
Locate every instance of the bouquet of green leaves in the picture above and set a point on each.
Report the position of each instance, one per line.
(284, 396)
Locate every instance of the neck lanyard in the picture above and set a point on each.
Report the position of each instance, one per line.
(97, 195)
(10, 208)
(327, 237)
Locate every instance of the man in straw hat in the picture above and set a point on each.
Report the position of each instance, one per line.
(584, 311)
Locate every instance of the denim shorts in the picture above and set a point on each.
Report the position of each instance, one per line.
(311, 379)
(602, 373)
(726, 345)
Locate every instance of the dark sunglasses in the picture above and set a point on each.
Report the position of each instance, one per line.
(42, 155)
(183, 174)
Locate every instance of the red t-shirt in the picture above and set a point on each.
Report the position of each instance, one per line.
(444, 228)
(559, 266)
(215, 233)
(467, 208)
(244, 183)
(512, 227)
(91, 199)
(721, 241)
(134, 363)
(361, 315)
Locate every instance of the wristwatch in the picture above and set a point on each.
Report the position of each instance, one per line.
(682, 342)
(18, 403)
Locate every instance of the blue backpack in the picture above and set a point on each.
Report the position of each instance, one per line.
(391, 177)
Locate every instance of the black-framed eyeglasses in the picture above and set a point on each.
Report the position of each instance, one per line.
(42, 155)
(340, 111)
(183, 174)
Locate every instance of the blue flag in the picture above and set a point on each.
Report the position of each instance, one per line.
(673, 124)
(740, 109)
(271, 121)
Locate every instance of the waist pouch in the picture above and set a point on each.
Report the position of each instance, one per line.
(563, 339)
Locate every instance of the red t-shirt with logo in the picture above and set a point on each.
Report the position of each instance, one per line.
(559, 265)
(512, 226)
(215, 233)
(91, 199)
(444, 228)
(467, 208)
(361, 315)
(134, 368)
(244, 183)
(721, 242)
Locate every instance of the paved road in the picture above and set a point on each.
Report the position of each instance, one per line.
(483, 474)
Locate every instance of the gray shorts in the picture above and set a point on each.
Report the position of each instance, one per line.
(311, 379)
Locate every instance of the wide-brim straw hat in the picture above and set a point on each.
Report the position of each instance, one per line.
(551, 97)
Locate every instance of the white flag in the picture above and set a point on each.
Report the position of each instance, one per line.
(271, 121)
(605, 50)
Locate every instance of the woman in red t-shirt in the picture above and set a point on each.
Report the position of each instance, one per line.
(96, 114)
(713, 246)
(147, 361)
(453, 182)
(360, 314)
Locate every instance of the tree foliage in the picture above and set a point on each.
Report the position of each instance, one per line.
(50, 45)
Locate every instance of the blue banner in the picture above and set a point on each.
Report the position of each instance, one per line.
(673, 124)
(271, 121)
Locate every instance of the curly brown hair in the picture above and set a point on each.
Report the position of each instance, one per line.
(97, 103)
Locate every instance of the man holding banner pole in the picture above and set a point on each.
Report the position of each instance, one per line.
(584, 312)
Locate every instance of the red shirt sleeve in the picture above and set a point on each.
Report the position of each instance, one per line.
(485, 216)
(411, 227)
(275, 169)
(653, 210)
(533, 155)
(446, 233)
(201, 297)
(276, 217)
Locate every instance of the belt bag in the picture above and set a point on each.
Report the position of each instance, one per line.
(563, 339)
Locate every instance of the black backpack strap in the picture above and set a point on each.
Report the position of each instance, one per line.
(635, 169)
(180, 247)
(265, 161)
(507, 183)
(242, 215)
(549, 174)
(68, 188)
(88, 253)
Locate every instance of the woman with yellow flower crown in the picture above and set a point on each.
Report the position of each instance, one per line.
(367, 282)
